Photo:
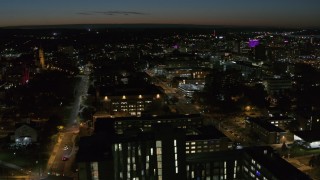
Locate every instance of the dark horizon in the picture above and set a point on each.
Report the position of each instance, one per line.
(154, 26)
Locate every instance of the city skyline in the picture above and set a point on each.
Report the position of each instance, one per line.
(272, 13)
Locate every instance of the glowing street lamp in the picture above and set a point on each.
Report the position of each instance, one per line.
(247, 108)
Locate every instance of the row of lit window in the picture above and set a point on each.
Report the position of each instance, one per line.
(140, 103)
(202, 147)
(200, 150)
(176, 155)
(159, 158)
(125, 97)
(202, 142)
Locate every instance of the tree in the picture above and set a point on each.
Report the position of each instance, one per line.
(224, 89)
(255, 95)
(51, 126)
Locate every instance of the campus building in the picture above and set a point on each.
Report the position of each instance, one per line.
(163, 152)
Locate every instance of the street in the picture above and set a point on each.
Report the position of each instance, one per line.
(62, 157)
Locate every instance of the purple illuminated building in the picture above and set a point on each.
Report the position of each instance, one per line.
(253, 43)
(176, 46)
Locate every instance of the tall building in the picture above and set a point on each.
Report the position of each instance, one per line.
(145, 123)
(164, 152)
(25, 76)
(153, 155)
(253, 163)
(41, 58)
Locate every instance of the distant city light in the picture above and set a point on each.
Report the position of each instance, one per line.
(253, 43)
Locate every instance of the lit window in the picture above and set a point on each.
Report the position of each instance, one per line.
(159, 151)
(158, 144)
(94, 171)
(258, 165)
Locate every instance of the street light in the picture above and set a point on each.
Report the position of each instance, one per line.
(247, 108)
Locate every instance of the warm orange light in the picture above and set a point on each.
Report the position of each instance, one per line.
(106, 98)
(140, 96)
(158, 96)
(124, 97)
(247, 108)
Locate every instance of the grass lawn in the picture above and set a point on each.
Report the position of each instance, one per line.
(26, 159)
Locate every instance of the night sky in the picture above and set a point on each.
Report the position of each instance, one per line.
(280, 13)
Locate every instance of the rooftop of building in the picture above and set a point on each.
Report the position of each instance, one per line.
(263, 155)
(279, 118)
(204, 133)
(264, 124)
(129, 89)
(213, 156)
(189, 68)
(95, 148)
(152, 117)
(191, 87)
(280, 168)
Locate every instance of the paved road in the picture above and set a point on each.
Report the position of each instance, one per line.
(65, 146)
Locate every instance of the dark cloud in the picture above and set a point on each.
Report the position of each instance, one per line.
(84, 13)
(110, 13)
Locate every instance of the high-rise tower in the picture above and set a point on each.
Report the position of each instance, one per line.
(41, 58)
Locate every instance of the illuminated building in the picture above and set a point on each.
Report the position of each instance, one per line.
(277, 85)
(122, 124)
(189, 89)
(152, 155)
(206, 139)
(267, 132)
(41, 58)
(129, 101)
(312, 120)
(253, 43)
(25, 135)
(249, 163)
(161, 154)
(280, 121)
